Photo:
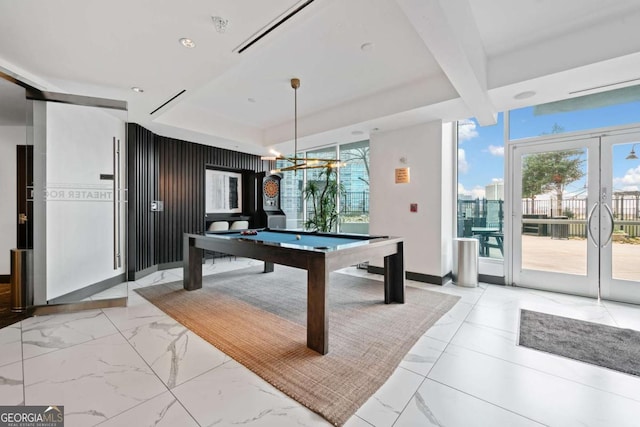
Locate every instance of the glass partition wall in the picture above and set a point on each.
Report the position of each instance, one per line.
(71, 201)
(353, 181)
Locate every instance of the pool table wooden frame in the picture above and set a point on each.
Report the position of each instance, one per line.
(318, 263)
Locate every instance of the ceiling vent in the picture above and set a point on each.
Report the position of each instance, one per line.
(168, 101)
(271, 26)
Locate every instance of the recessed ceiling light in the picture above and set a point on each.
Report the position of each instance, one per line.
(137, 89)
(187, 42)
(357, 132)
(366, 47)
(525, 94)
(251, 100)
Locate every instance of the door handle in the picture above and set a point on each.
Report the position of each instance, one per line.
(593, 240)
(22, 218)
(612, 225)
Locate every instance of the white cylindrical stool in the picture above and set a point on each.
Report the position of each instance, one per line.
(465, 262)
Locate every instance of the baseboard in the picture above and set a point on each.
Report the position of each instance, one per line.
(494, 280)
(5, 278)
(143, 273)
(87, 291)
(42, 310)
(418, 277)
(170, 265)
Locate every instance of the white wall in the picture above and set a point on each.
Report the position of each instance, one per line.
(10, 137)
(428, 233)
(79, 206)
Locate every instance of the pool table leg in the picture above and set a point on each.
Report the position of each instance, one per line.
(192, 265)
(317, 318)
(394, 277)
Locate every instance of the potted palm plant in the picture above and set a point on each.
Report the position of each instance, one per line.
(322, 200)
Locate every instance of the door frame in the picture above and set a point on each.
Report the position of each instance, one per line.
(513, 147)
(610, 287)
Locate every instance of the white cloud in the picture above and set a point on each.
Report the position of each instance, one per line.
(466, 130)
(496, 150)
(463, 166)
(630, 181)
(497, 179)
(476, 192)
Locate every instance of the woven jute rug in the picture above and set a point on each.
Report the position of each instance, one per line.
(259, 320)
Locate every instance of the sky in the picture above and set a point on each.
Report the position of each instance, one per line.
(481, 148)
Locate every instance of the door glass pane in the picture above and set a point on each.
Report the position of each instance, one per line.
(291, 195)
(625, 205)
(554, 211)
(354, 178)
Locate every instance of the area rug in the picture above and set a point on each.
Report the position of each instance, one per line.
(602, 345)
(259, 319)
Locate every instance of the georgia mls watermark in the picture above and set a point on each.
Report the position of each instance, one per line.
(32, 416)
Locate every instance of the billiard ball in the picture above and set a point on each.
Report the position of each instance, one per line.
(297, 237)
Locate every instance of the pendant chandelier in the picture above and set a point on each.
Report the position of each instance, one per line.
(295, 161)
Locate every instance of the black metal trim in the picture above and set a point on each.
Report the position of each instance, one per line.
(66, 98)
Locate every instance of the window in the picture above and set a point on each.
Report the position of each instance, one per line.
(353, 178)
(481, 185)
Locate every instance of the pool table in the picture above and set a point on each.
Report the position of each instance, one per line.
(318, 253)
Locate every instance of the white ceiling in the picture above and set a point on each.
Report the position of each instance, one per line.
(428, 60)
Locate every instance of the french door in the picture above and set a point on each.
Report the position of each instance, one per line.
(576, 216)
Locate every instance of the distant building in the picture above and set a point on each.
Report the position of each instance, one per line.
(494, 191)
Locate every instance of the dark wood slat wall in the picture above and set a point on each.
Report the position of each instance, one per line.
(142, 165)
(172, 171)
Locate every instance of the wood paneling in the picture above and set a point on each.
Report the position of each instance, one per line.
(171, 171)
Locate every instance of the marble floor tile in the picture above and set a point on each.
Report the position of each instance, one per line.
(446, 327)
(117, 291)
(11, 385)
(383, 408)
(437, 405)
(424, 354)
(503, 345)
(356, 421)
(535, 395)
(625, 315)
(136, 366)
(468, 295)
(161, 411)
(94, 381)
(44, 334)
(138, 312)
(10, 344)
(500, 307)
(231, 394)
(174, 353)
(162, 276)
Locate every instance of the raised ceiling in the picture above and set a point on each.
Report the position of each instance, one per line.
(364, 64)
